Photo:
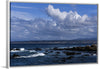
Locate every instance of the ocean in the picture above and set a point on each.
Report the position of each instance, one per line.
(44, 54)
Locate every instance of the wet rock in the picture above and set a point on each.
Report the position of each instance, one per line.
(30, 49)
(55, 48)
(15, 56)
(38, 49)
(46, 53)
(70, 53)
(70, 57)
(57, 52)
(86, 55)
(14, 49)
(46, 50)
(51, 51)
(93, 47)
(17, 49)
(11, 49)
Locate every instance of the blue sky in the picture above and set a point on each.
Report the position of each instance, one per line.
(44, 21)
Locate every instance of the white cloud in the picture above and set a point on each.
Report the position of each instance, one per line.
(91, 30)
(72, 17)
(63, 25)
(22, 7)
(21, 15)
(56, 13)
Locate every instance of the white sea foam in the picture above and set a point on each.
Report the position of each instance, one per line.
(34, 55)
(32, 51)
(20, 50)
(94, 54)
(15, 51)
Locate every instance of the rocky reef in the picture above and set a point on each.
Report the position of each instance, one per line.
(93, 47)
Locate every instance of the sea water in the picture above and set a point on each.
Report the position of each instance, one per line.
(30, 56)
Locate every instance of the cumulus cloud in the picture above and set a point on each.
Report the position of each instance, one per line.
(62, 26)
(70, 16)
(56, 13)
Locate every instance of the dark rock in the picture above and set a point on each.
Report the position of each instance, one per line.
(70, 53)
(55, 48)
(57, 52)
(38, 49)
(11, 49)
(86, 55)
(93, 47)
(17, 49)
(46, 53)
(30, 49)
(70, 57)
(46, 50)
(51, 51)
(15, 56)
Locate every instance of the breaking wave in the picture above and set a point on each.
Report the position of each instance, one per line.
(34, 55)
(17, 50)
(21, 50)
(24, 53)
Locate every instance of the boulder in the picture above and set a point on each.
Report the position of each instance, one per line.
(38, 49)
(70, 53)
(70, 57)
(15, 56)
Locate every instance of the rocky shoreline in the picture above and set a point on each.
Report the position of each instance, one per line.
(93, 47)
(56, 51)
